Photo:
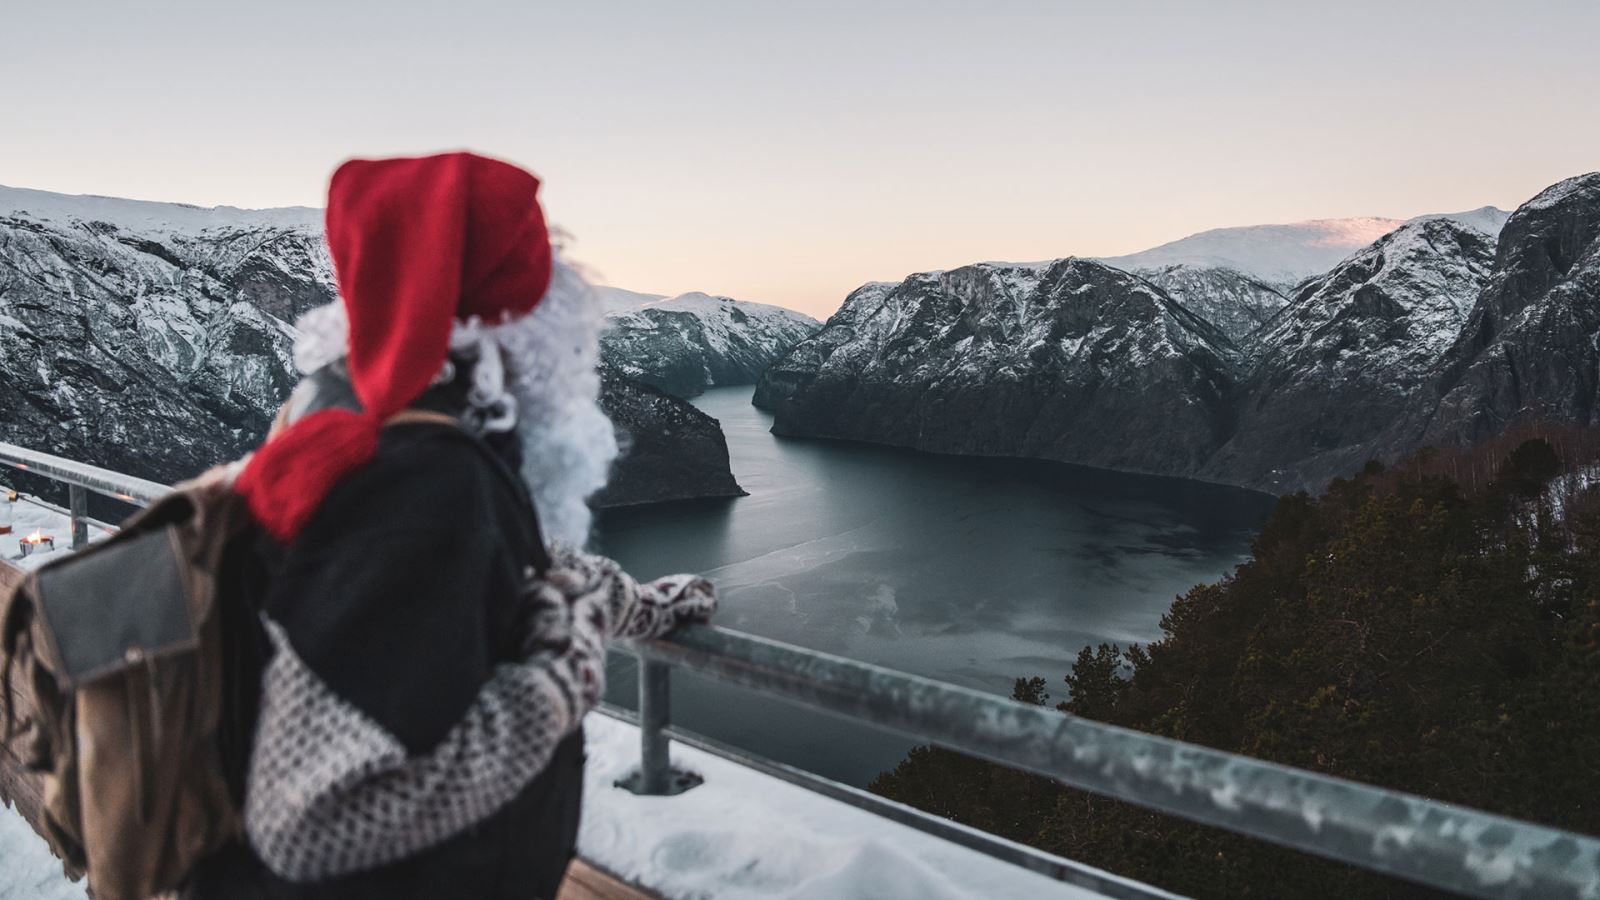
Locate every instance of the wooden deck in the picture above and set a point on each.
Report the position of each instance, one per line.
(585, 882)
(18, 789)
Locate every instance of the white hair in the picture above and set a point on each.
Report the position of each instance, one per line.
(537, 374)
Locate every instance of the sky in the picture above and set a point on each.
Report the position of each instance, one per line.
(789, 152)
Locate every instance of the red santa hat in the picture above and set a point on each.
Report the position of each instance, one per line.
(417, 243)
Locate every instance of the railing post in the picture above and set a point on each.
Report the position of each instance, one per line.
(655, 776)
(655, 714)
(78, 506)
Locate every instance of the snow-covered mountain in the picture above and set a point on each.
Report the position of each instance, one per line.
(1290, 253)
(685, 344)
(150, 338)
(1237, 303)
(1071, 360)
(155, 339)
(1346, 357)
(1437, 331)
(1531, 347)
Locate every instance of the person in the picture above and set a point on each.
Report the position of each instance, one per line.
(405, 721)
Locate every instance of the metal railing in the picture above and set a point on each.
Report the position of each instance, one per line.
(1425, 841)
(80, 479)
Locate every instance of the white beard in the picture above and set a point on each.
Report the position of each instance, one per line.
(537, 374)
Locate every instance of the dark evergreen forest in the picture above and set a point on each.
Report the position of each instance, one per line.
(1432, 626)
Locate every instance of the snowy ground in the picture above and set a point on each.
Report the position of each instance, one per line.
(27, 517)
(27, 870)
(742, 834)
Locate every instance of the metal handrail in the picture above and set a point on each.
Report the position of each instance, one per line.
(1426, 841)
(80, 478)
(128, 489)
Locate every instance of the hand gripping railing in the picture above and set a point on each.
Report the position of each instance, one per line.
(1425, 841)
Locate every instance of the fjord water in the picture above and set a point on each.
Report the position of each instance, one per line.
(971, 571)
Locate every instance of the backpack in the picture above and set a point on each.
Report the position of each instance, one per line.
(116, 654)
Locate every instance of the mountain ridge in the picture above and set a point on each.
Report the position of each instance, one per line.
(1313, 381)
(1013, 361)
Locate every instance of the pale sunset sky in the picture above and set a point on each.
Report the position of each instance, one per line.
(788, 152)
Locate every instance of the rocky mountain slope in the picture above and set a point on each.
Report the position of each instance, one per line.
(685, 344)
(1348, 354)
(1237, 303)
(154, 339)
(1531, 347)
(1071, 360)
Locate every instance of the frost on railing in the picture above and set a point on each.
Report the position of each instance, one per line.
(1425, 841)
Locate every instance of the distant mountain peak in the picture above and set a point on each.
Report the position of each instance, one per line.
(1285, 254)
(618, 301)
(149, 216)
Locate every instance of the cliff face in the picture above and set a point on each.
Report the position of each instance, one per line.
(672, 450)
(1070, 360)
(155, 339)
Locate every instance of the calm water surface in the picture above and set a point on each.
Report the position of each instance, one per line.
(969, 571)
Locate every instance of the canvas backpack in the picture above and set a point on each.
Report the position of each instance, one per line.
(112, 687)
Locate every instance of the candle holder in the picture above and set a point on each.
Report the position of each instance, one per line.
(37, 543)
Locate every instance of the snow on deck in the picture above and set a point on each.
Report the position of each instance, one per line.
(27, 517)
(743, 834)
(28, 871)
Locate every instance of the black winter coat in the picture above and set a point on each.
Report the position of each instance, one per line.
(401, 595)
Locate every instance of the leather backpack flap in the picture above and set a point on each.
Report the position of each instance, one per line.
(111, 607)
(118, 581)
